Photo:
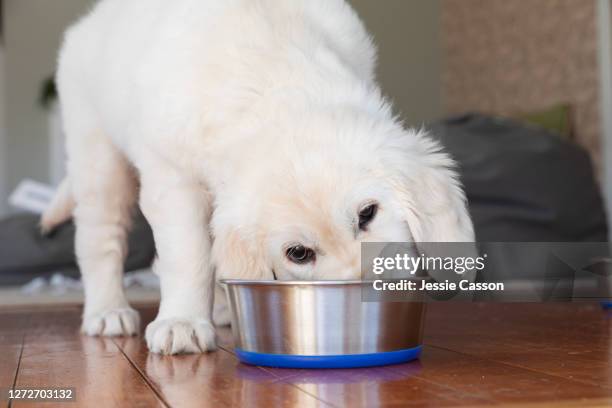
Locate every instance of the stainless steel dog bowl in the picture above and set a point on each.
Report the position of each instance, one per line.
(320, 324)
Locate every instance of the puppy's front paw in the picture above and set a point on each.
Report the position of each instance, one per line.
(176, 335)
(114, 322)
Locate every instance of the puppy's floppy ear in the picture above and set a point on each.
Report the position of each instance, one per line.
(429, 192)
(238, 256)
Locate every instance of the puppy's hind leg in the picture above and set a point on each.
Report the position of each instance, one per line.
(104, 189)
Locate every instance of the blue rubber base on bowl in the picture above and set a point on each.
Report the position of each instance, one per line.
(607, 304)
(333, 361)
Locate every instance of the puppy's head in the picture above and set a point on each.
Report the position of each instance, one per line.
(299, 206)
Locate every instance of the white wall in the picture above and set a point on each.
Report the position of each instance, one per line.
(410, 54)
(604, 11)
(3, 144)
(32, 35)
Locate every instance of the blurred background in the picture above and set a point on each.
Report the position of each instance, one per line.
(519, 91)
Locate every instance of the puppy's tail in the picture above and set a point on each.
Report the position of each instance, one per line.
(60, 209)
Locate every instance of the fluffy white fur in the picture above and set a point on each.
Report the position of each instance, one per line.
(250, 125)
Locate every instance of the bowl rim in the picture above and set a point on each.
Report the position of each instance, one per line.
(294, 282)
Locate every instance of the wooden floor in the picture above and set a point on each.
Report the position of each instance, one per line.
(532, 355)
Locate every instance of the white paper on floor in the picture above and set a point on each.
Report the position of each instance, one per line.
(59, 284)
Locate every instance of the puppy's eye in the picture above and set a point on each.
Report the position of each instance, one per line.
(299, 254)
(366, 215)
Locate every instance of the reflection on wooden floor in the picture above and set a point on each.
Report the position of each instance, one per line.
(474, 354)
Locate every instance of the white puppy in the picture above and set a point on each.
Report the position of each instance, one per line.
(261, 144)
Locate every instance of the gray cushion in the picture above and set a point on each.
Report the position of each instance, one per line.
(26, 254)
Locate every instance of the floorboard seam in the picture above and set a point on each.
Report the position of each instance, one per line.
(282, 379)
(10, 402)
(312, 395)
(523, 367)
(278, 377)
(143, 376)
(455, 390)
(225, 348)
